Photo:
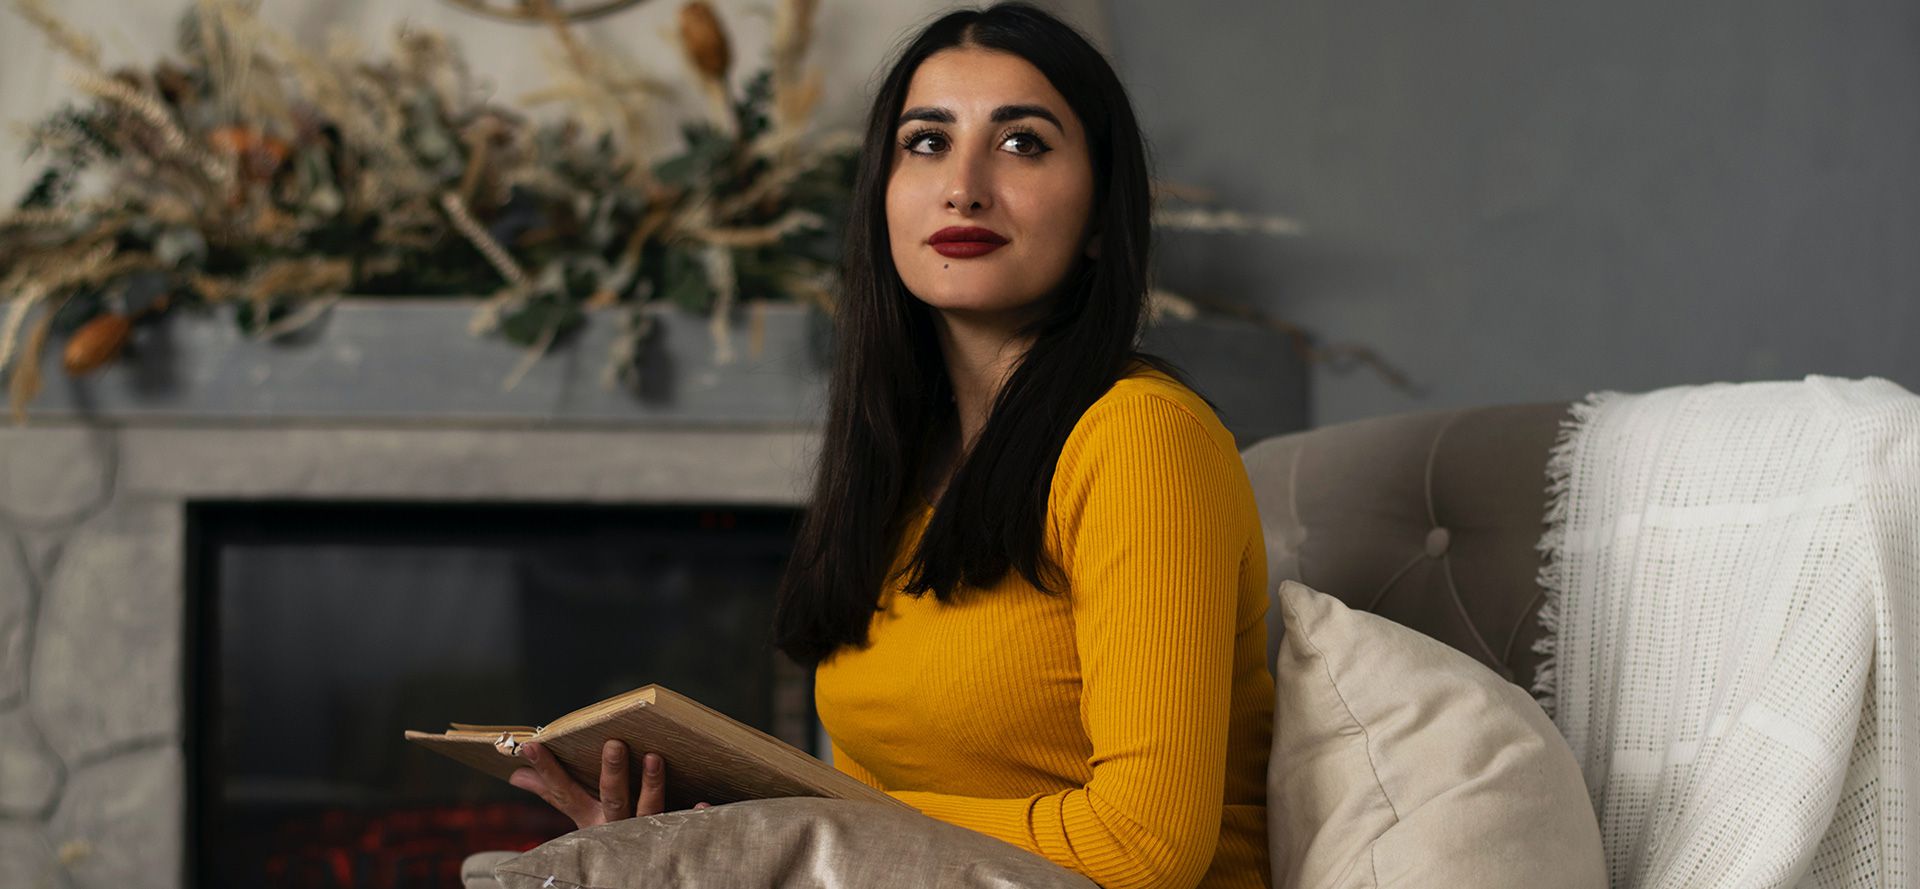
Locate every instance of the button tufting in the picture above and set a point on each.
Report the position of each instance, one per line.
(1437, 541)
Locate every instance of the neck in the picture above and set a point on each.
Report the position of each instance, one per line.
(980, 355)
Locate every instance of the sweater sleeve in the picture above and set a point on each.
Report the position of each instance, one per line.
(1148, 517)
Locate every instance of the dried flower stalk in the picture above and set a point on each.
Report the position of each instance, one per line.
(77, 46)
(148, 110)
(488, 247)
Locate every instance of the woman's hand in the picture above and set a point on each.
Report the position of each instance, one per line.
(551, 781)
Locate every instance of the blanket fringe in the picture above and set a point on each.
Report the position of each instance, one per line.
(1545, 688)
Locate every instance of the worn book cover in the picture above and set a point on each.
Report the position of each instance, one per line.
(710, 756)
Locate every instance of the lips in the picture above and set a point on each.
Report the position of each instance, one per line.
(963, 242)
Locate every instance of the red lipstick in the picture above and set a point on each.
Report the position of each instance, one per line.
(963, 242)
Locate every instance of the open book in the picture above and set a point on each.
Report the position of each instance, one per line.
(710, 756)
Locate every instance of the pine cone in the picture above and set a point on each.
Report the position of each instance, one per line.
(704, 40)
(96, 343)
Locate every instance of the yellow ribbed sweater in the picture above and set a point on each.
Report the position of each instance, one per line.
(1121, 730)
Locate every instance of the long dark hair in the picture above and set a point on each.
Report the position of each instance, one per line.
(888, 390)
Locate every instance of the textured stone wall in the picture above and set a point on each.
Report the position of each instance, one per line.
(90, 605)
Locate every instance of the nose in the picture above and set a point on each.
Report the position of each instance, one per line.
(969, 191)
(964, 200)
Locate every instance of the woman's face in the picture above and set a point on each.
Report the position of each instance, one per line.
(984, 141)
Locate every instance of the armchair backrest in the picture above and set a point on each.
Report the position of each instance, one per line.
(1430, 520)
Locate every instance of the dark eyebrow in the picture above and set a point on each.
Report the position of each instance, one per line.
(1001, 114)
(1006, 113)
(937, 115)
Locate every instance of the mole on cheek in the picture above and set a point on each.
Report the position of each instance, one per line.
(944, 265)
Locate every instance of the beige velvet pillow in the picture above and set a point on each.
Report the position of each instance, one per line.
(787, 843)
(1400, 762)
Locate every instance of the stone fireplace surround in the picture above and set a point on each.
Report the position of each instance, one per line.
(92, 594)
(390, 402)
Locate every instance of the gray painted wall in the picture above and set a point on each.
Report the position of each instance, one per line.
(1521, 201)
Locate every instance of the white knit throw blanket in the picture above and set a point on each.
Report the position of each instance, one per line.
(1733, 583)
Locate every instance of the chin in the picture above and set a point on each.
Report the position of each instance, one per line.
(970, 299)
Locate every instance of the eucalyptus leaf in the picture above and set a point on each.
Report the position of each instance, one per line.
(683, 280)
(77, 310)
(751, 110)
(48, 189)
(706, 149)
(544, 311)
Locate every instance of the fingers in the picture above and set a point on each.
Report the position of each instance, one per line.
(699, 806)
(653, 786)
(613, 781)
(556, 786)
(528, 780)
(548, 779)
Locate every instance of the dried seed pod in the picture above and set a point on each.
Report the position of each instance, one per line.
(96, 342)
(232, 139)
(260, 154)
(704, 40)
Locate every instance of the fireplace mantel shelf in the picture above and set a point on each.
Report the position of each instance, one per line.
(409, 362)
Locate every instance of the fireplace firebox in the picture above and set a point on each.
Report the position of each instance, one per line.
(320, 631)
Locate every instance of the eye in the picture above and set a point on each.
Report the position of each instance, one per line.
(914, 138)
(1034, 146)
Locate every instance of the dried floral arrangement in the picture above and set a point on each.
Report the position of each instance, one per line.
(251, 171)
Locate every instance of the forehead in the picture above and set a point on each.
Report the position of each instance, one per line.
(971, 82)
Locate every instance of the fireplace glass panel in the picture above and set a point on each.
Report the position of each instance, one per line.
(325, 630)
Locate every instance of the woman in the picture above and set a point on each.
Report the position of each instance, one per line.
(1087, 680)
